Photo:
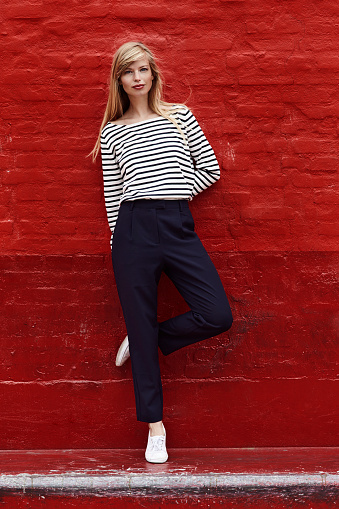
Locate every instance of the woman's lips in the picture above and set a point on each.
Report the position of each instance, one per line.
(138, 86)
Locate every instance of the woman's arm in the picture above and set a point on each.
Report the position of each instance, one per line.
(113, 183)
(206, 166)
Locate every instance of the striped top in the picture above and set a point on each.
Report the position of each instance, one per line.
(150, 159)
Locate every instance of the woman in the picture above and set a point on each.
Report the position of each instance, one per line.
(155, 159)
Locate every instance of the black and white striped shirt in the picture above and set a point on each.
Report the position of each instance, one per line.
(150, 159)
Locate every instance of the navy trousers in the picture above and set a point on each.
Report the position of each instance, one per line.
(152, 236)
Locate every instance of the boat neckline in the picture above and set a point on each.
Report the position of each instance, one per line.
(137, 123)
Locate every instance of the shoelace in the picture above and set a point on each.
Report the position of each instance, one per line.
(157, 443)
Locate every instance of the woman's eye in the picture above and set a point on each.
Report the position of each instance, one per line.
(144, 69)
(128, 72)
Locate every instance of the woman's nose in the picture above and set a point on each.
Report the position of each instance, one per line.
(136, 76)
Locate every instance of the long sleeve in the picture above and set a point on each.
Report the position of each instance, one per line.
(113, 184)
(206, 167)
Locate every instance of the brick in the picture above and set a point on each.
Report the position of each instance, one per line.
(324, 164)
(92, 228)
(31, 228)
(212, 43)
(283, 24)
(26, 11)
(30, 209)
(59, 193)
(260, 78)
(240, 198)
(249, 146)
(312, 181)
(249, 229)
(6, 162)
(89, 195)
(320, 111)
(294, 162)
(57, 61)
(145, 11)
(327, 196)
(326, 127)
(30, 127)
(217, 111)
(20, 175)
(239, 59)
(94, 94)
(267, 213)
(62, 228)
(236, 162)
(76, 210)
(58, 28)
(76, 111)
(310, 145)
(29, 144)
(267, 126)
(277, 243)
(277, 145)
(318, 78)
(6, 226)
(318, 37)
(86, 60)
(5, 211)
(297, 63)
(283, 44)
(266, 94)
(319, 212)
(20, 76)
(30, 192)
(230, 126)
(46, 295)
(82, 77)
(6, 197)
(260, 110)
(28, 60)
(306, 94)
(330, 229)
(288, 127)
(92, 176)
(268, 180)
(33, 94)
(324, 243)
(57, 126)
(97, 10)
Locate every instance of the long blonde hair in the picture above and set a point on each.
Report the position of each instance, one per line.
(118, 101)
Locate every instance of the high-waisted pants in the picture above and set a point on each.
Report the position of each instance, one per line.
(151, 237)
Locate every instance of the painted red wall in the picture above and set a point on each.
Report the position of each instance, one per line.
(263, 80)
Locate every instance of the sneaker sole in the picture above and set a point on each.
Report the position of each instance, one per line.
(122, 347)
(157, 461)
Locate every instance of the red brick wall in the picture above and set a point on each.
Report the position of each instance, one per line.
(263, 82)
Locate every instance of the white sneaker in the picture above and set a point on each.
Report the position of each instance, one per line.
(123, 353)
(156, 448)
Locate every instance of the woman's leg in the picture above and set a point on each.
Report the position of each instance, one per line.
(137, 266)
(190, 268)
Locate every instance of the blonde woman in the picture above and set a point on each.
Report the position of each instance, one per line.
(155, 159)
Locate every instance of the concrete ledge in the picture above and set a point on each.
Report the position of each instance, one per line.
(264, 472)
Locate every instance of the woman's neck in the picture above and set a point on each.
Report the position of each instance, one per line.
(138, 110)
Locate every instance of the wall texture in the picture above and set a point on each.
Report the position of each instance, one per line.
(262, 79)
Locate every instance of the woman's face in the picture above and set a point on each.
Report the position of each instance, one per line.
(136, 80)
